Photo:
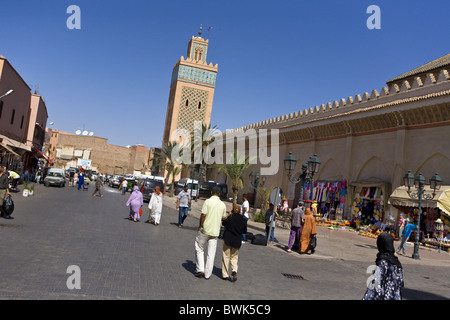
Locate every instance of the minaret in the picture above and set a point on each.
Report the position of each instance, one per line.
(191, 89)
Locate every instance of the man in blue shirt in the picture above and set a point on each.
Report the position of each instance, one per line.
(408, 228)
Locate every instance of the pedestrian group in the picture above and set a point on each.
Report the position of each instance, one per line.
(386, 282)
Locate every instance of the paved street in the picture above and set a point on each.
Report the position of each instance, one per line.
(120, 259)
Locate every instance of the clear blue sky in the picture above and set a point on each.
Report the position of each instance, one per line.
(112, 77)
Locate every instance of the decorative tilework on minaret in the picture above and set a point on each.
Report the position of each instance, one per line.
(191, 89)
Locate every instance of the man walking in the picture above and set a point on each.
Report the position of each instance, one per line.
(4, 190)
(244, 212)
(183, 201)
(124, 185)
(407, 230)
(98, 186)
(213, 212)
(297, 217)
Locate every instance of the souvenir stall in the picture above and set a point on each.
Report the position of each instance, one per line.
(434, 219)
(368, 208)
(328, 200)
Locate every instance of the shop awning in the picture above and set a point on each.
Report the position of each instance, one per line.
(14, 144)
(401, 198)
(39, 154)
(443, 202)
(4, 146)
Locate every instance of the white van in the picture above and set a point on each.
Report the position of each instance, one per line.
(60, 170)
(55, 176)
(159, 178)
(191, 184)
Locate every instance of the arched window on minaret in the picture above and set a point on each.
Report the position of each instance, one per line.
(187, 102)
(198, 53)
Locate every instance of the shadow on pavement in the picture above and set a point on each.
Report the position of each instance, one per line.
(184, 226)
(189, 265)
(412, 294)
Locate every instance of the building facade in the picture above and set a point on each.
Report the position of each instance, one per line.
(96, 154)
(366, 143)
(23, 118)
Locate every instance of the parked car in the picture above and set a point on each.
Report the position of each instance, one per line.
(107, 177)
(94, 175)
(148, 187)
(115, 181)
(55, 177)
(206, 188)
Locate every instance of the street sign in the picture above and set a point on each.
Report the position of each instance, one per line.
(275, 198)
(85, 163)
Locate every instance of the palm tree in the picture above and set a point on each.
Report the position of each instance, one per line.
(202, 148)
(164, 159)
(235, 171)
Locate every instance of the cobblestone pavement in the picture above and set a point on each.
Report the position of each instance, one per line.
(119, 259)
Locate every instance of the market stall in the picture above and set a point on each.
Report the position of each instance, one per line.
(368, 206)
(433, 211)
(329, 197)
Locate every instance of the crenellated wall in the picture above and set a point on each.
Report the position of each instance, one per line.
(421, 88)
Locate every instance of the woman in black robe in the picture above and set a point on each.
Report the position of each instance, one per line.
(387, 280)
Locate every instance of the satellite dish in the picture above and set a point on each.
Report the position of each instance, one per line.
(85, 133)
(91, 134)
(78, 132)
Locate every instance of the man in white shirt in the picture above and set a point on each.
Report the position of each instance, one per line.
(124, 185)
(244, 212)
(183, 200)
(213, 212)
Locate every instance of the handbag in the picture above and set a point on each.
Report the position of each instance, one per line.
(224, 228)
(8, 205)
(222, 232)
(313, 242)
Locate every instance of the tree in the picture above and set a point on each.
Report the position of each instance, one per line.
(235, 172)
(264, 196)
(199, 149)
(164, 159)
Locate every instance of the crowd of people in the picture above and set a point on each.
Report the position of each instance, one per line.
(387, 279)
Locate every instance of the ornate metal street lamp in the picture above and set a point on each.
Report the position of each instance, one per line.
(309, 170)
(419, 183)
(256, 180)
